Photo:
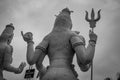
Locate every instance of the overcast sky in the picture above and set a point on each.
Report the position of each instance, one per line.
(37, 16)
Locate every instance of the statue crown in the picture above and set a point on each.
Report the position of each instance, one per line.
(10, 25)
(67, 10)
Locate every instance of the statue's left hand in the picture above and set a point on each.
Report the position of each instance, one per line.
(20, 68)
(27, 36)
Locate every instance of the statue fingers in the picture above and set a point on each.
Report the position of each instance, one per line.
(22, 65)
(22, 34)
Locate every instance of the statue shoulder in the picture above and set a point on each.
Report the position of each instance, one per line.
(43, 44)
(9, 49)
(76, 34)
(75, 37)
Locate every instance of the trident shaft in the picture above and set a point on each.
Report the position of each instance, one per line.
(92, 23)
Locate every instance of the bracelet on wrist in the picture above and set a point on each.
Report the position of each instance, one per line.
(30, 41)
(92, 41)
(78, 44)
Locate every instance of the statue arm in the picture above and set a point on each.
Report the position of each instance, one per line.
(83, 68)
(39, 64)
(41, 69)
(7, 62)
(84, 55)
(42, 47)
(39, 54)
(32, 56)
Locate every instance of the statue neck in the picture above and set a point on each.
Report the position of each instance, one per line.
(60, 28)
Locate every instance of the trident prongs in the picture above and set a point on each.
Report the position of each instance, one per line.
(92, 14)
(93, 21)
(98, 17)
(86, 17)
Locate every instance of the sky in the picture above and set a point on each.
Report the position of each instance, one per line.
(37, 16)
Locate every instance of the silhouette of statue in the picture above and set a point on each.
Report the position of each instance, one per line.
(6, 51)
(60, 45)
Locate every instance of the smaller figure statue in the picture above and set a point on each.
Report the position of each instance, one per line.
(6, 51)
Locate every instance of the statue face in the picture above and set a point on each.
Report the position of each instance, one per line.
(10, 39)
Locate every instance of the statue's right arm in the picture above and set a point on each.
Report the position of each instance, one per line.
(84, 55)
(7, 62)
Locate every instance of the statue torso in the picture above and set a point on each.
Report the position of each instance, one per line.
(5, 48)
(60, 54)
(60, 51)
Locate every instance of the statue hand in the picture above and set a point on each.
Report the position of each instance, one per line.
(27, 36)
(93, 36)
(21, 67)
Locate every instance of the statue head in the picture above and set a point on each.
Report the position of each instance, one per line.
(64, 19)
(7, 34)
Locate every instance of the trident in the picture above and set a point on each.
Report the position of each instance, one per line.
(92, 23)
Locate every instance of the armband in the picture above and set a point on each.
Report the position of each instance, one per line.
(77, 41)
(41, 48)
(77, 44)
(92, 41)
